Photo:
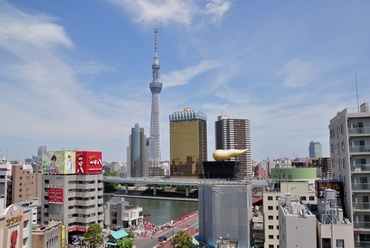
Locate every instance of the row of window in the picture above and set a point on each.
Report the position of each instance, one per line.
(303, 198)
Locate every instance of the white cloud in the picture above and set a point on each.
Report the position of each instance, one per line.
(297, 73)
(218, 8)
(167, 11)
(182, 77)
(20, 28)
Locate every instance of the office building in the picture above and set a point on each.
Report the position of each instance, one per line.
(225, 213)
(40, 151)
(137, 153)
(119, 214)
(315, 150)
(297, 225)
(72, 190)
(188, 142)
(350, 154)
(235, 134)
(302, 189)
(155, 120)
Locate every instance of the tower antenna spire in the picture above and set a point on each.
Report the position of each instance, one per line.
(156, 42)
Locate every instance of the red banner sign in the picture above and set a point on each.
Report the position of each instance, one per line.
(89, 162)
(55, 195)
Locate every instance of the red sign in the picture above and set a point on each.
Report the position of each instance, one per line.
(55, 195)
(321, 185)
(89, 162)
(77, 229)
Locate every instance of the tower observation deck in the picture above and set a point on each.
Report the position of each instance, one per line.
(155, 124)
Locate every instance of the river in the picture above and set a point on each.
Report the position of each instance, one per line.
(161, 211)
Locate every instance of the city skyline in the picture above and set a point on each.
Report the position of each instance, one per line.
(71, 80)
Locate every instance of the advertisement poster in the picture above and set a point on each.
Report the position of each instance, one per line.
(59, 162)
(55, 195)
(89, 162)
(321, 185)
(13, 237)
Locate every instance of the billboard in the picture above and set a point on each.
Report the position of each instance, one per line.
(59, 162)
(321, 185)
(89, 162)
(55, 195)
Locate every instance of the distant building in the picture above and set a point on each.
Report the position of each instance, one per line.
(302, 189)
(315, 150)
(118, 214)
(188, 142)
(350, 155)
(297, 225)
(326, 166)
(235, 134)
(225, 210)
(137, 153)
(40, 151)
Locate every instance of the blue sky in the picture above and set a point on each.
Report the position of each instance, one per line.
(76, 74)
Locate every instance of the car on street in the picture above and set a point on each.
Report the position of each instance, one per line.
(162, 238)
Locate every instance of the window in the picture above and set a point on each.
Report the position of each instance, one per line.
(340, 243)
(270, 217)
(270, 207)
(271, 227)
(312, 198)
(271, 236)
(269, 198)
(271, 246)
(277, 217)
(303, 198)
(277, 227)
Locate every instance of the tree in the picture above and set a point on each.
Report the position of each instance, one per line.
(182, 239)
(125, 242)
(94, 235)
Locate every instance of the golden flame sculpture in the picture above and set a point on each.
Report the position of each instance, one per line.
(221, 155)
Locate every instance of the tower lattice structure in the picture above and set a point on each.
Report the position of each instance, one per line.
(155, 124)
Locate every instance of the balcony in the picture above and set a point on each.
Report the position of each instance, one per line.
(360, 168)
(361, 225)
(360, 186)
(358, 131)
(362, 244)
(359, 149)
(361, 206)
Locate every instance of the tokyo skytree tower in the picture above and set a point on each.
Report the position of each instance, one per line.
(155, 124)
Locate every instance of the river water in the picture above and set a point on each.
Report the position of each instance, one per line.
(161, 211)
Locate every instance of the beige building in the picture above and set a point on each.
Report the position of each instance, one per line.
(304, 190)
(48, 236)
(15, 227)
(25, 183)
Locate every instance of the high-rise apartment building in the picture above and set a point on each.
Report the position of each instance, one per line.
(235, 134)
(40, 151)
(315, 149)
(188, 142)
(137, 153)
(350, 154)
(155, 123)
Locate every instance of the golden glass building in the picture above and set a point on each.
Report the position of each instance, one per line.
(188, 142)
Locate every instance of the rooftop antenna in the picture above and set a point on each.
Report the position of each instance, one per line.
(358, 105)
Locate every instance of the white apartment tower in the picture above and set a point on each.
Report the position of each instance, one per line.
(350, 154)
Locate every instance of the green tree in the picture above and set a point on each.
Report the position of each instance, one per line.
(182, 239)
(94, 235)
(125, 242)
